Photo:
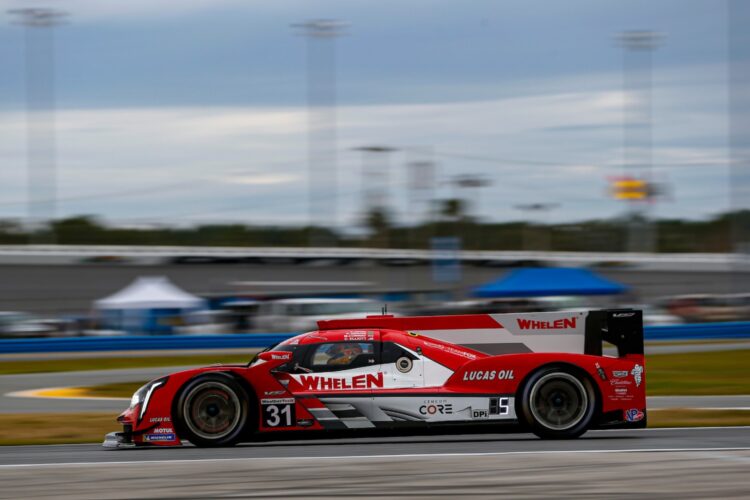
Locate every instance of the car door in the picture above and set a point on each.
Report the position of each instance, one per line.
(401, 368)
(336, 380)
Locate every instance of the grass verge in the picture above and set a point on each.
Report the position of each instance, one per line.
(83, 364)
(55, 428)
(697, 418)
(698, 373)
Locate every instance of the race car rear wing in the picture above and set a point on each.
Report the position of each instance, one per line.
(582, 332)
(622, 328)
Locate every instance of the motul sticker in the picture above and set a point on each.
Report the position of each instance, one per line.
(162, 430)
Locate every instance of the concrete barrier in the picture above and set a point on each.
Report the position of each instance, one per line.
(700, 331)
(140, 343)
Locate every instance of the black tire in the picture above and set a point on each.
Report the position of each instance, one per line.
(212, 410)
(557, 403)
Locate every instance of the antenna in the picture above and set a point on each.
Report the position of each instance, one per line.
(384, 310)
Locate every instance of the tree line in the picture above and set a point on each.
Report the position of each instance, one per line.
(671, 235)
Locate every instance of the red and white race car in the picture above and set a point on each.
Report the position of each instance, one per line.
(545, 371)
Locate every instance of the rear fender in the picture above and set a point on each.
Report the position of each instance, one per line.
(620, 382)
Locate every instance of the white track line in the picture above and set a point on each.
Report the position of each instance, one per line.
(370, 457)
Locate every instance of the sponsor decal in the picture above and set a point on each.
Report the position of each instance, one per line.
(620, 373)
(623, 315)
(620, 382)
(278, 412)
(480, 414)
(558, 324)
(489, 375)
(436, 407)
(621, 393)
(162, 430)
(634, 415)
(449, 349)
(360, 335)
(274, 393)
(286, 356)
(637, 373)
(305, 422)
(294, 341)
(159, 437)
(364, 381)
(159, 419)
(600, 371)
(277, 401)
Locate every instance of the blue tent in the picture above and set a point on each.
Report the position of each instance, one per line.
(548, 282)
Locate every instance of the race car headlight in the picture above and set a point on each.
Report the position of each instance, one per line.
(138, 396)
(143, 395)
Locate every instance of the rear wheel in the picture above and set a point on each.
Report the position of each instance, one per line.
(557, 403)
(212, 410)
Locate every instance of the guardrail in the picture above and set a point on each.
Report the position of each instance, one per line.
(700, 331)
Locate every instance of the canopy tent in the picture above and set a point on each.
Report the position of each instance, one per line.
(150, 292)
(148, 305)
(548, 282)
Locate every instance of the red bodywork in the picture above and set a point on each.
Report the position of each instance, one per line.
(469, 381)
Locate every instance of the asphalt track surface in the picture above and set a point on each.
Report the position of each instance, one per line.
(664, 463)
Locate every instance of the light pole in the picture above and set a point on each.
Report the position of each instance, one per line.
(638, 46)
(40, 118)
(321, 125)
(375, 177)
(739, 132)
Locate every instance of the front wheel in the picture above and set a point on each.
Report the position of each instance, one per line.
(557, 403)
(212, 410)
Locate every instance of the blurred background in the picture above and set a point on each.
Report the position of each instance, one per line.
(247, 167)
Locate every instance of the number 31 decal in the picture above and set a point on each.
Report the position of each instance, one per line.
(278, 412)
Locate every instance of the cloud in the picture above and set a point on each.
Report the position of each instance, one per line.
(262, 179)
(93, 10)
(249, 163)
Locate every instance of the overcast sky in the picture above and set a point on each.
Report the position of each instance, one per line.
(194, 110)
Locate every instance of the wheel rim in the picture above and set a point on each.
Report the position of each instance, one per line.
(558, 401)
(212, 410)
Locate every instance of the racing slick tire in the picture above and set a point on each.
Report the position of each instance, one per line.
(557, 403)
(212, 410)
